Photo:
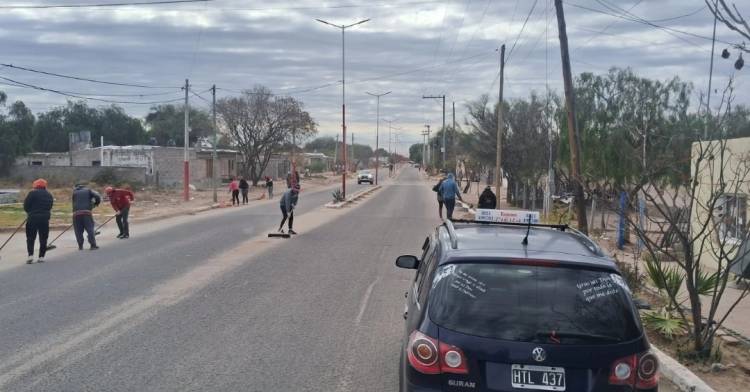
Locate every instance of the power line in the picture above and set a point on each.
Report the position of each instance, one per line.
(85, 79)
(637, 18)
(605, 28)
(646, 22)
(523, 27)
(102, 5)
(31, 86)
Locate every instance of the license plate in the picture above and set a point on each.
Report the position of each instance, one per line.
(533, 377)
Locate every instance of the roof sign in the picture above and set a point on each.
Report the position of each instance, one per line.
(507, 216)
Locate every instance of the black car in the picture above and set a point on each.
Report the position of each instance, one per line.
(506, 307)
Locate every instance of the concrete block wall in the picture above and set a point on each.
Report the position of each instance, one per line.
(68, 175)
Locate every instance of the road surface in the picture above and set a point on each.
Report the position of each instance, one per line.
(206, 303)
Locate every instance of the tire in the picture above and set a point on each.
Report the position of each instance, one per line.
(359, 182)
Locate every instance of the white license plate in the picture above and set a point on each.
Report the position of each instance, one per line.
(542, 378)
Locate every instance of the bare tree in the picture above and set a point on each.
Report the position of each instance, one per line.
(732, 18)
(695, 236)
(259, 123)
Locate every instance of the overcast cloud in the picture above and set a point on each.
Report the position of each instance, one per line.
(410, 47)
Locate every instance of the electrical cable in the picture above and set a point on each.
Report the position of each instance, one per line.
(31, 86)
(101, 5)
(523, 27)
(604, 29)
(85, 79)
(643, 21)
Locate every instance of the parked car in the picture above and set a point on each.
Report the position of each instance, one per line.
(365, 176)
(514, 307)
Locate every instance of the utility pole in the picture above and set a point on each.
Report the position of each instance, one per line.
(428, 146)
(574, 142)
(710, 78)
(336, 153)
(500, 126)
(353, 161)
(377, 134)
(186, 160)
(214, 156)
(455, 151)
(343, 94)
(443, 98)
(424, 148)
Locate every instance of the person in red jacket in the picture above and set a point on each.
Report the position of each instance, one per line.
(120, 200)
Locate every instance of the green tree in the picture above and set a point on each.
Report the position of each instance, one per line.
(166, 123)
(415, 152)
(324, 144)
(15, 132)
(112, 123)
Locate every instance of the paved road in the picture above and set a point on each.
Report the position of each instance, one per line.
(206, 306)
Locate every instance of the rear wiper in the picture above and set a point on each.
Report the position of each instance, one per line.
(555, 336)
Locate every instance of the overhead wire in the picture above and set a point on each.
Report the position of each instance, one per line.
(101, 5)
(523, 27)
(605, 28)
(85, 79)
(648, 23)
(84, 97)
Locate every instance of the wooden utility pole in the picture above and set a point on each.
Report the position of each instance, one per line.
(574, 141)
(214, 155)
(500, 126)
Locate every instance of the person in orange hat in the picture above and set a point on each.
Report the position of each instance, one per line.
(38, 207)
(120, 200)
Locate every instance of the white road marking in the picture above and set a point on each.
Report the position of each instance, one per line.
(365, 300)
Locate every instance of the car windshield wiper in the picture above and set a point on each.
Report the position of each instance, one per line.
(557, 335)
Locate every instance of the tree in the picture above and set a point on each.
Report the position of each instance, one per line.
(259, 123)
(325, 145)
(415, 152)
(15, 132)
(732, 18)
(112, 123)
(166, 123)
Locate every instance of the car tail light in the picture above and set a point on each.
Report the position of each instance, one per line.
(430, 356)
(452, 359)
(639, 370)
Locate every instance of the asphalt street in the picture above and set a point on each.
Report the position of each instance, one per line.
(206, 303)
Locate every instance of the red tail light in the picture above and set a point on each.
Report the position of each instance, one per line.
(430, 356)
(640, 371)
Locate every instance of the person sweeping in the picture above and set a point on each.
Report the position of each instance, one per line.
(120, 200)
(288, 202)
(38, 207)
(84, 201)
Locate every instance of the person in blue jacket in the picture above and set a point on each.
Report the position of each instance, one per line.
(287, 203)
(449, 190)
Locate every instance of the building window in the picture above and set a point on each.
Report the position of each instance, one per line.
(731, 211)
(96, 163)
(209, 168)
(230, 166)
(36, 163)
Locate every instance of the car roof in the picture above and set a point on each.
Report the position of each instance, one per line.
(477, 241)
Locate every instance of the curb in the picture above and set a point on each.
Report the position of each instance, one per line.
(679, 375)
(353, 198)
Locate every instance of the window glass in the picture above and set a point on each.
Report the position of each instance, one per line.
(533, 303)
(732, 217)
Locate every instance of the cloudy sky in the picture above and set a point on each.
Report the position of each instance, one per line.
(410, 47)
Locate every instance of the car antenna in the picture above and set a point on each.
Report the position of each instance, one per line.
(528, 229)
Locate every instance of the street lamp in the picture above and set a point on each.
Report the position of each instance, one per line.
(377, 133)
(343, 94)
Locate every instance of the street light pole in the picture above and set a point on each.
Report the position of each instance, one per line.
(214, 156)
(343, 94)
(443, 98)
(377, 133)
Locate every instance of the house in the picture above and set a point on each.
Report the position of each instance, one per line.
(721, 198)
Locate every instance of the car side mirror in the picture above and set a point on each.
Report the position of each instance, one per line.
(407, 261)
(641, 304)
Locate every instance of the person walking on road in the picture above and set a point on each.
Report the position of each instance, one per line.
(450, 192)
(84, 201)
(436, 189)
(487, 200)
(288, 203)
(234, 189)
(38, 207)
(245, 189)
(269, 187)
(120, 200)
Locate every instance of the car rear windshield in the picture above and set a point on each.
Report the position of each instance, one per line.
(533, 303)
